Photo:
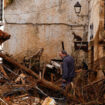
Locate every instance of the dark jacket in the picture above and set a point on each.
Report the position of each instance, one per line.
(68, 68)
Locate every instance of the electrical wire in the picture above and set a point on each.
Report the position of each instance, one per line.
(12, 71)
(42, 92)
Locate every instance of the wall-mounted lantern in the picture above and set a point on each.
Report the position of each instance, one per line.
(77, 8)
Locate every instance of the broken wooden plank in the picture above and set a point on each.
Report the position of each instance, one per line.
(63, 48)
(15, 63)
(95, 82)
(3, 36)
(42, 82)
(3, 71)
(44, 70)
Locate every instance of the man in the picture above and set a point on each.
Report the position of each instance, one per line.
(68, 72)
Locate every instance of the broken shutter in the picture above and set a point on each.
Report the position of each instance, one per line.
(1, 9)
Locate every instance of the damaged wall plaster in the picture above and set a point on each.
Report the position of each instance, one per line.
(35, 24)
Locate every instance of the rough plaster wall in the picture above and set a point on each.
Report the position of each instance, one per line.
(94, 16)
(97, 18)
(102, 29)
(45, 11)
(43, 23)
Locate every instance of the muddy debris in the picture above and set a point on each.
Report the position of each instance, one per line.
(28, 83)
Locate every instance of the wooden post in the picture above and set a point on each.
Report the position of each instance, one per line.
(42, 82)
(3, 71)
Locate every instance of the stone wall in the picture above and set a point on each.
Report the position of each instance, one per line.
(34, 24)
(96, 16)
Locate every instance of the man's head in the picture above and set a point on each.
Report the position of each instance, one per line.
(62, 54)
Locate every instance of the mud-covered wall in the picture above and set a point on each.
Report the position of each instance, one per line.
(36, 24)
(96, 20)
(94, 17)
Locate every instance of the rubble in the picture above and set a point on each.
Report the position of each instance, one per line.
(49, 101)
(23, 84)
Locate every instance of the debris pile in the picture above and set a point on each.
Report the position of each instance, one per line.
(22, 82)
(27, 83)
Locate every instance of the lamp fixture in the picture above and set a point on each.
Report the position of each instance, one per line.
(77, 8)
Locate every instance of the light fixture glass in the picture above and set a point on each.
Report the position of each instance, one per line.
(77, 8)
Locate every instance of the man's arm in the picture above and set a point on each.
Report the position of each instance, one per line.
(65, 70)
